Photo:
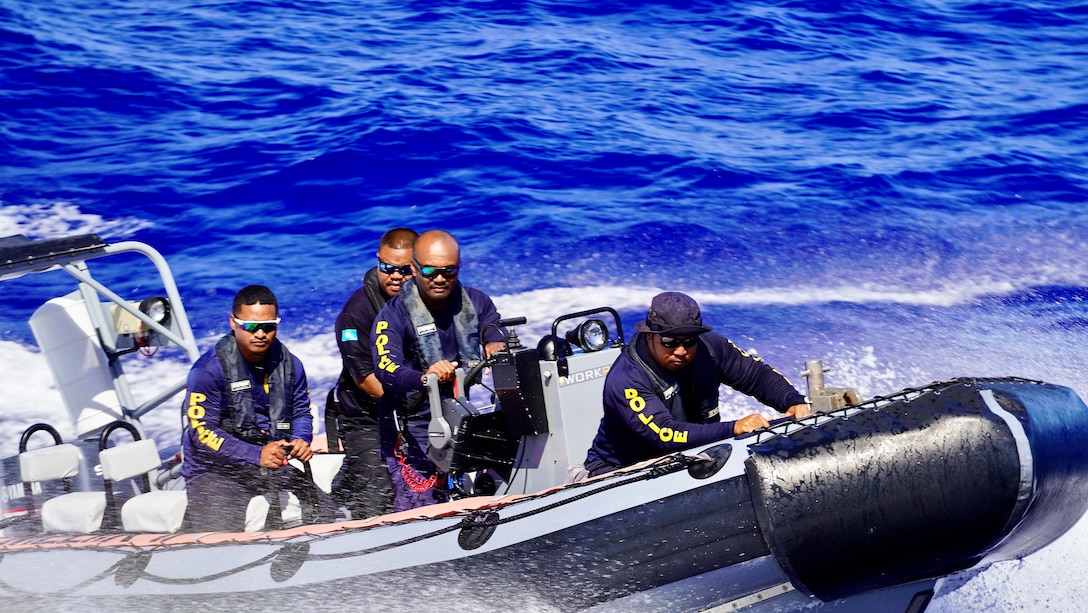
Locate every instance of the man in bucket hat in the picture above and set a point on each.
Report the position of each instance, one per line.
(661, 394)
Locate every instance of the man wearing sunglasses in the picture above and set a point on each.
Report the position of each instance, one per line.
(433, 326)
(363, 485)
(247, 406)
(661, 394)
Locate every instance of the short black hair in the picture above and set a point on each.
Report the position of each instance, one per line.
(254, 294)
(399, 238)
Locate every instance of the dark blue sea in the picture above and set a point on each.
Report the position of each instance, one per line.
(898, 189)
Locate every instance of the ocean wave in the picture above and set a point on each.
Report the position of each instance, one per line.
(550, 302)
(57, 219)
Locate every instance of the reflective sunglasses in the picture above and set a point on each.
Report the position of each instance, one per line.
(253, 326)
(388, 269)
(431, 272)
(669, 342)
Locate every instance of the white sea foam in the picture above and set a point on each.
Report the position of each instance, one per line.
(62, 219)
(1047, 580)
(546, 303)
(31, 396)
(319, 356)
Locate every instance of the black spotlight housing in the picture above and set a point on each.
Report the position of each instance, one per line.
(591, 335)
(157, 308)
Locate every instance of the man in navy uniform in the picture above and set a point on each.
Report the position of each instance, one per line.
(661, 394)
(363, 485)
(433, 326)
(248, 411)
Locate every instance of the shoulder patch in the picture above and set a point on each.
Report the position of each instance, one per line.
(349, 334)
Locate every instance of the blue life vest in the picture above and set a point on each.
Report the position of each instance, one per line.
(239, 417)
(466, 325)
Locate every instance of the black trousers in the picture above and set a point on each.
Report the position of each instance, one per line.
(363, 484)
(218, 500)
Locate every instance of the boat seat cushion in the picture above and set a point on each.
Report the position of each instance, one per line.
(257, 511)
(325, 467)
(160, 511)
(76, 512)
(49, 463)
(129, 460)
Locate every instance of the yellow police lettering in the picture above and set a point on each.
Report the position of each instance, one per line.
(196, 413)
(387, 365)
(743, 352)
(667, 435)
(381, 340)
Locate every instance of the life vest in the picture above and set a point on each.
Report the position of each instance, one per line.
(374, 290)
(366, 402)
(239, 416)
(466, 325)
(704, 377)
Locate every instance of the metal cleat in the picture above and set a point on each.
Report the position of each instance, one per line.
(826, 399)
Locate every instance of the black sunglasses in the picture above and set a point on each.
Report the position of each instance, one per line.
(388, 269)
(669, 342)
(253, 326)
(431, 272)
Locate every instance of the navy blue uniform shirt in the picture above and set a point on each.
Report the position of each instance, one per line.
(206, 446)
(398, 365)
(637, 425)
(353, 326)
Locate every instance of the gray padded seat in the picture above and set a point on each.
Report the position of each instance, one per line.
(157, 511)
(74, 512)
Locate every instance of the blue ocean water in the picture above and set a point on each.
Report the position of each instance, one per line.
(897, 189)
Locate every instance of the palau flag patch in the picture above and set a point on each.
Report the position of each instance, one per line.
(350, 334)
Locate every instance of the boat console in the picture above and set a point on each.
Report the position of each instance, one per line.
(542, 414)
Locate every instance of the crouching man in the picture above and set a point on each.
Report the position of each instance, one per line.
(661, 394)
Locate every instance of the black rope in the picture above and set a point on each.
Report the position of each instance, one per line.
(213, 577)
(100, 576)
(478, 518)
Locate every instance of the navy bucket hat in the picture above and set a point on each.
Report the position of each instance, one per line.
(673, 314)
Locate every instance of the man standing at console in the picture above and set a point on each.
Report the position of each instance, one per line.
(248, 411)
(363, 483)
(432, 326)
(661, 394)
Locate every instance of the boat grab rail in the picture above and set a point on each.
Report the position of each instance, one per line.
(487, 519)
(787, 426)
